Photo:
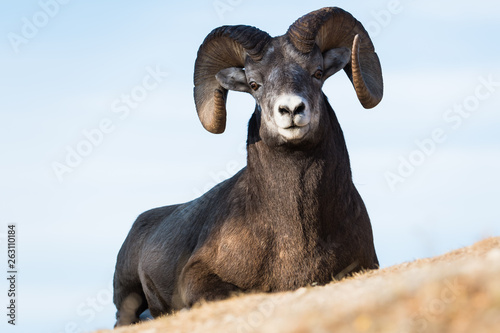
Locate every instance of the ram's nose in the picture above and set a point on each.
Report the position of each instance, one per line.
(291, 111)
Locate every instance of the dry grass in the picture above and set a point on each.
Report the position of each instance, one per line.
(456, 292)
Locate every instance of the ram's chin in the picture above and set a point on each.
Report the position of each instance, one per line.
(294, 134)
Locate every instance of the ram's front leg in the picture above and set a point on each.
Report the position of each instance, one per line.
(198, 282)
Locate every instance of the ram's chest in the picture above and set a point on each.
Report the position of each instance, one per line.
(240, 257)
(299, 262)
(269, 262)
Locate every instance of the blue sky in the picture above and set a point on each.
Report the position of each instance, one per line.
(441, 72)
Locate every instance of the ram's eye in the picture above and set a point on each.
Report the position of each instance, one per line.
(254, 85)
(318, 74)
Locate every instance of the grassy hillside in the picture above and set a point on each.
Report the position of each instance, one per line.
(456, 292)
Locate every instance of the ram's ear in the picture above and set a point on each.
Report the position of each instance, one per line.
(334, 60)
(233, 78)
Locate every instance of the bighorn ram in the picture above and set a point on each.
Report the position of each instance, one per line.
(292, 217)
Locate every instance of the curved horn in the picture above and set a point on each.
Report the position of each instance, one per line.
(332, 27)
(224, 47)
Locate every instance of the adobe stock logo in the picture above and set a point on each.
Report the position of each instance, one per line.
(454, 117)
(31, 26)
(382, 18)
(224, 6)
(121, 108)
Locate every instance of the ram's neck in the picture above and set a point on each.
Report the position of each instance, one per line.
(300, 187)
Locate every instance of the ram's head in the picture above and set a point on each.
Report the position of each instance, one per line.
(285, 74)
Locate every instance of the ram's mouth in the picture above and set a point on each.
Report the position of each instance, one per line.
(294, 132)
